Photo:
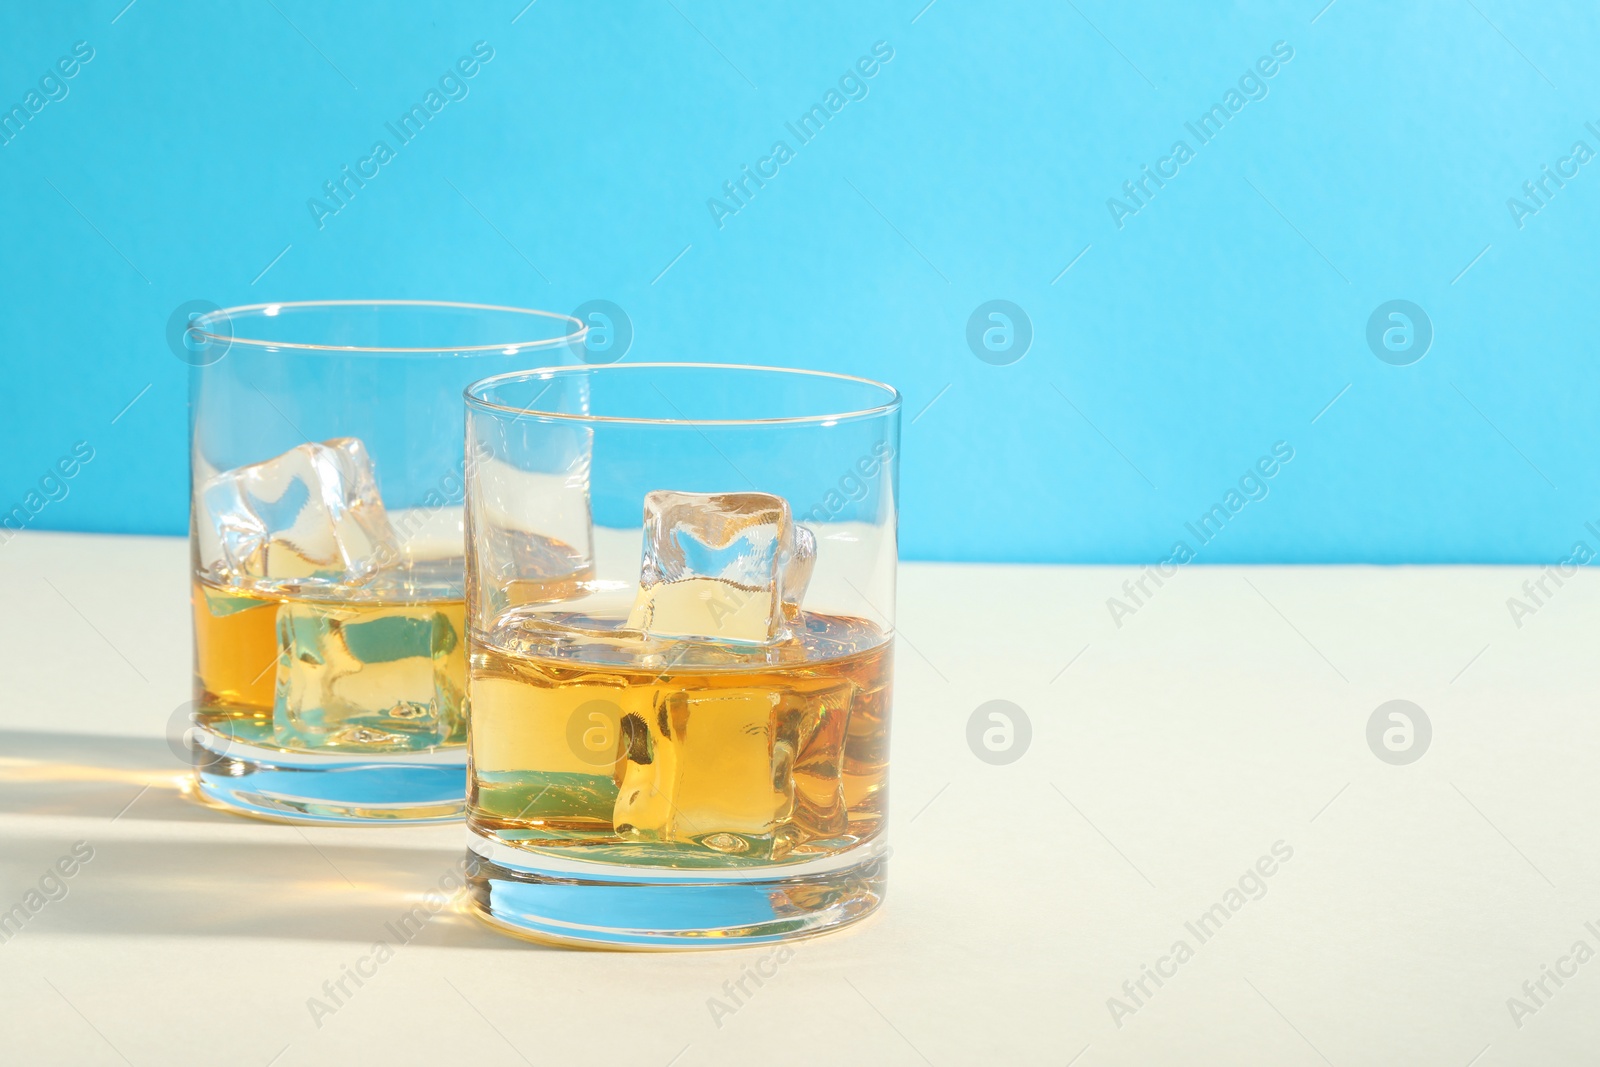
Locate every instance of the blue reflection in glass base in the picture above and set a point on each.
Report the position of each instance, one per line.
(403, 787)
(607, 905)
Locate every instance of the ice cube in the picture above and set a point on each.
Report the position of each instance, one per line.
(817, 723)
(702, 769)
(310, 518)
(720, 567)
(533, 532)
(706, 609)
(736, 771)
(369, 676)
(802, 560)
(648, 778)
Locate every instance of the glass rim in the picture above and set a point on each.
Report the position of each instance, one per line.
(201, 326)
(478, 402)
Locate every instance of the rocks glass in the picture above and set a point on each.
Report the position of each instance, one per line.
(327, 476)
(680, 597)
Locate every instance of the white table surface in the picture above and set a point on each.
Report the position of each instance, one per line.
(1228, 714)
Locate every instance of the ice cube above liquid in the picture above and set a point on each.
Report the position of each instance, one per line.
(802, 560)
(719, 567)
(308, 519)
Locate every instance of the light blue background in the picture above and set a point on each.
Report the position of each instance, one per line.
(1220, 319)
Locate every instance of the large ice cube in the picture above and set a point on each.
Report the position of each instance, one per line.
(533, 533)
(815, 724)
(701, 770)
(369, 676)
(737, 771)
(310, 518)
(720, 566)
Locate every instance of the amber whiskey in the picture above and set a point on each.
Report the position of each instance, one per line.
(675, 754)
(368, 671)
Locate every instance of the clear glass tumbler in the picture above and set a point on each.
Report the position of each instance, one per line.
(326, 537)
(680, 597)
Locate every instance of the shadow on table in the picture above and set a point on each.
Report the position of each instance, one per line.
(266, 889)
(92, 775)
(290, 882)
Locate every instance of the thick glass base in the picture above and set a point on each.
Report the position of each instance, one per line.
(401, 787)
(605, 905)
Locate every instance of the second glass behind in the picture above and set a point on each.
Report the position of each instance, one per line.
(680, 590)
(327, 475)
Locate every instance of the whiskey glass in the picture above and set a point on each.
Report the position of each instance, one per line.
(327, 550)
(680, 598)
